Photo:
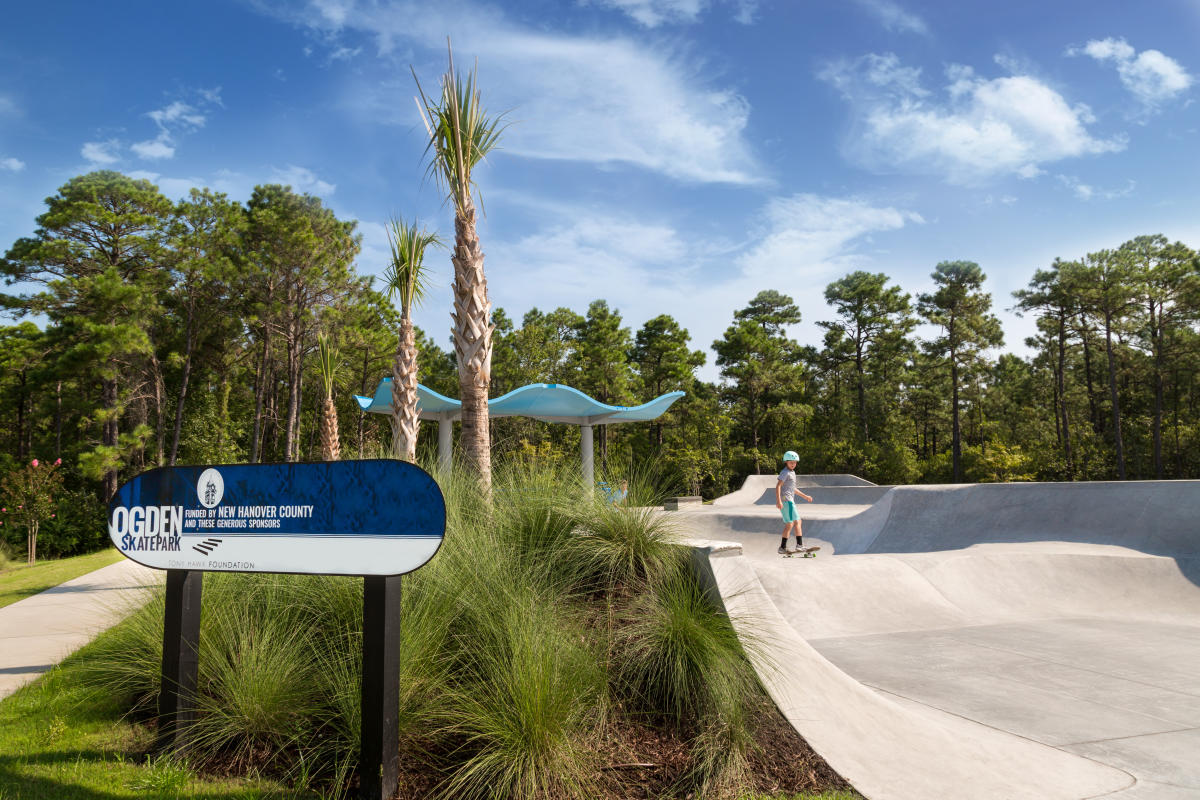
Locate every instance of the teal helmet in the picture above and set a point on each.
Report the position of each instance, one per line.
(791, 455)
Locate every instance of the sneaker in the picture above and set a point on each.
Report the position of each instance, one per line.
(783, 551)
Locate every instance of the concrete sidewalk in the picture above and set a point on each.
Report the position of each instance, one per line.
(38, 632)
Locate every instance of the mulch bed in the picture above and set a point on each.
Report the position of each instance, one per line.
(642, 760)
(639, 760)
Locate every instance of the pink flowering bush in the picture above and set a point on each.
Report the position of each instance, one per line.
(34, 488)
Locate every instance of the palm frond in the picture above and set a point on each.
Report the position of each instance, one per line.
(327, 356)
(461, 134)
(406, 276)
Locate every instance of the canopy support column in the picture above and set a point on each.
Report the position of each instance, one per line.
(585, 448)
(445, 441)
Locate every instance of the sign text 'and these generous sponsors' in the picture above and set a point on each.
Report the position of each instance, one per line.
(373, 517)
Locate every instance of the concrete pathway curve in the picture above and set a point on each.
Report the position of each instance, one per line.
(38, 632)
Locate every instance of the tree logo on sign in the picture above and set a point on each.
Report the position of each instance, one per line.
(210, 488)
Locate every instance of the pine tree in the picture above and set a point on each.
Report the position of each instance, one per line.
(960, 308)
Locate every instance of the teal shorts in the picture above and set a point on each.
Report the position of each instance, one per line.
(789, 511)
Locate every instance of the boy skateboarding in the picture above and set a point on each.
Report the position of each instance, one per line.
(785, 492)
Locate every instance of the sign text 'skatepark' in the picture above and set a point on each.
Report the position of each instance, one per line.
(375, 517)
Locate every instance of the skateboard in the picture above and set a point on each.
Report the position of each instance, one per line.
(804, 552)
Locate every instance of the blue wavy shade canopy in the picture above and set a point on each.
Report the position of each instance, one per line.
(549, 402)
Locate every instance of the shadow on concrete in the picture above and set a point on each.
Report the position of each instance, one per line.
(21, 670)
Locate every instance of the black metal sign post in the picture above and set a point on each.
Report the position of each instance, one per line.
(180, 660)
(379, 764)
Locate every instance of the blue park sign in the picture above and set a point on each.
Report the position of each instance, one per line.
(371, 517)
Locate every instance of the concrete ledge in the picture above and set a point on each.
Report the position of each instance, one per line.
(675, 503)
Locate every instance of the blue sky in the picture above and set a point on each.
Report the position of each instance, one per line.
(670, 156)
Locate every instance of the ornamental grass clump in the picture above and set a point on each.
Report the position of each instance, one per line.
(675, 654)
(549, 619)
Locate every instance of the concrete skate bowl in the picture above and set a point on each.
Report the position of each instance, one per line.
(759, 490)
(991, 641)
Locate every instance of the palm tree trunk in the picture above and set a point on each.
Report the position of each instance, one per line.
(331, 446)
(472, 343)
(405, 420)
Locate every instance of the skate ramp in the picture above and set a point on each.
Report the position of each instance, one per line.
(1059, 622)
(886, 748)
(1152, 517)
(824, 489)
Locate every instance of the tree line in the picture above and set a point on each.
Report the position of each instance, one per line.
(188, 332)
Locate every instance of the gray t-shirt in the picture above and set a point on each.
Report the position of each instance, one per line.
(788, 490)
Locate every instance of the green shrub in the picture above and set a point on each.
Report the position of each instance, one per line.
(676, 654)
(623, 548)
(78, 525)
(523, 705)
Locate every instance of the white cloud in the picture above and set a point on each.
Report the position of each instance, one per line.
(746, 11)
(173, 188)
(344, 54)
(653, 13)
(595, 99)
(1152, 77)
(894, 17)
(102, 153)
(153, 149)
(809, 236)
(1085, 192)
(12, 164)
(172, 120)
(646, 267)
(175, 115)
(982, 128)
(303, 180)
(238, 185)
(212, 96)
(8, 105)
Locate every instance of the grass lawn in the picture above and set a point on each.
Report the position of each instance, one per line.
(18, 580)
(61, 741)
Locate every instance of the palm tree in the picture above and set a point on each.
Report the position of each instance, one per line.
(460, 136)
(407, 279)
(331, 448)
